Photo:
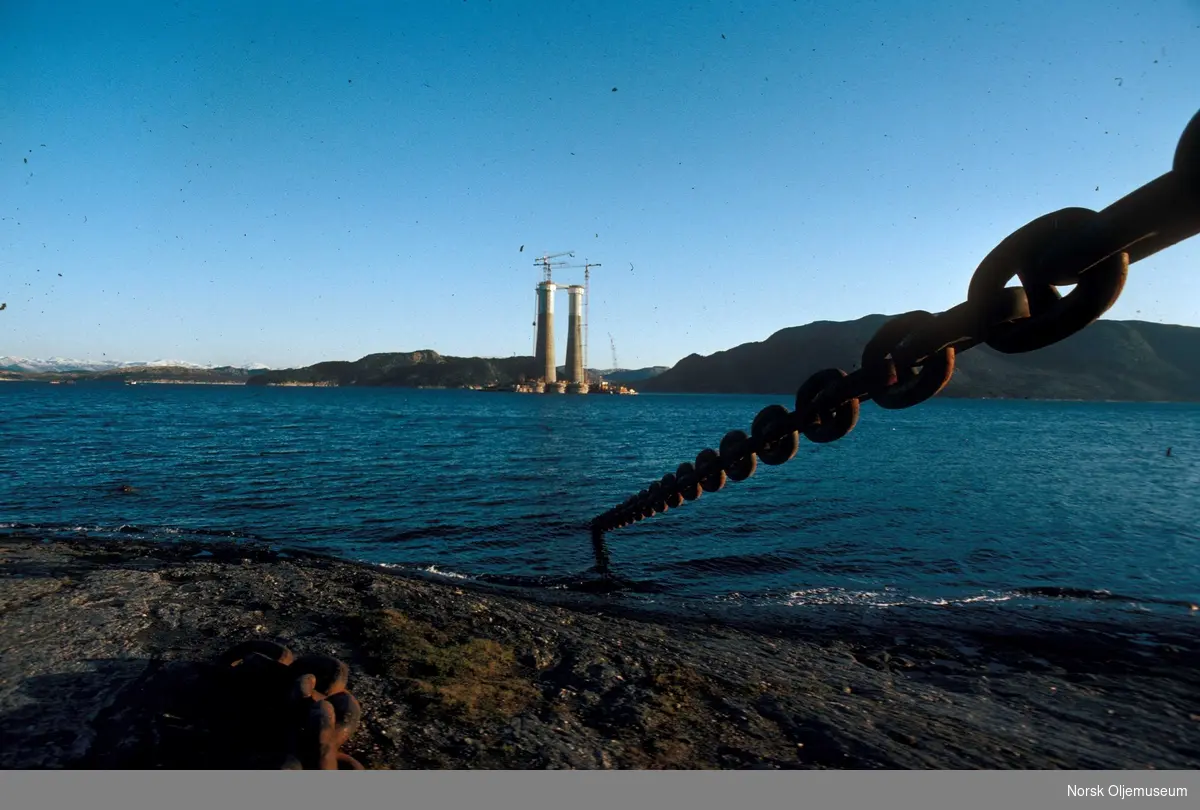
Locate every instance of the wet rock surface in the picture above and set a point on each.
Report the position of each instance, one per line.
(108, 654)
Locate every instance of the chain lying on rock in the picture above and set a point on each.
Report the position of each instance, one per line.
(301, 702)
(911, 357)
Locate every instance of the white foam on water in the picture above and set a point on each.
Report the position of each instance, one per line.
(429, 569)
(433, 569)
(885, 598)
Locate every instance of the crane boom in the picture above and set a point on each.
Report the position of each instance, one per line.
(587, 297)
(546, 264)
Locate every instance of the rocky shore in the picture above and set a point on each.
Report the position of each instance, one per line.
(106, 649)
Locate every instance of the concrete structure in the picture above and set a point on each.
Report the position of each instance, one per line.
(544, 351)
(574, 368)
(574, 374)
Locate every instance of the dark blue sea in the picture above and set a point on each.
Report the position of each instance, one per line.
(1052, 510)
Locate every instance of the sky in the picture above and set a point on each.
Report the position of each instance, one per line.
(290, 182)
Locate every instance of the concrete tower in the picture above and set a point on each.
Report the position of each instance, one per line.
(575, 334)
(545, 331)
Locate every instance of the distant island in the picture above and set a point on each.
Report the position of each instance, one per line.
(1110, 360)
(428, 369)
(227, 375)
(420, 369)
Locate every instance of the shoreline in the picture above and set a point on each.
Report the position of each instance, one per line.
(325, 384)
(102, 642)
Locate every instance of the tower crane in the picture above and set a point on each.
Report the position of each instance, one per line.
(613, 343)
(546, 262)
(587, 297)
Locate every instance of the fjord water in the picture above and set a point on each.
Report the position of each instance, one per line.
(953, 503)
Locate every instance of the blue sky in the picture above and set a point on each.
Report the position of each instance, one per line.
(293, 182)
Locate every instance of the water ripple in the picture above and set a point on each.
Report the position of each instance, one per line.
(954, 503)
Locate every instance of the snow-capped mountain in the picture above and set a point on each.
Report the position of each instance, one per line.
(64, 364)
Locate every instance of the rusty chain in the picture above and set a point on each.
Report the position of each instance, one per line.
(911, 357)
(298, 708)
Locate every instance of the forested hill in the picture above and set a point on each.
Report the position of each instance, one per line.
(419, 369)
(1118, 360)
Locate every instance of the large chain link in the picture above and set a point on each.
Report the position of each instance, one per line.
(297, 709)
(911, 357)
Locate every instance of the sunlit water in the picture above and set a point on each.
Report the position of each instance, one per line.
(957, 503)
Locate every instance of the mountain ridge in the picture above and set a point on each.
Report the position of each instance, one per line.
(1110, 360)
(1119, 360)
(425, 368)
(64, 365)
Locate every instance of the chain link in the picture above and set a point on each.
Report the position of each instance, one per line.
(912, 357)
(301, 704)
